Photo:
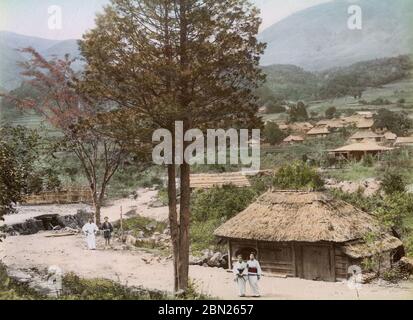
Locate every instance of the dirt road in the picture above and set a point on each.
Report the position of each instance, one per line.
(141, 206)
(129, 267)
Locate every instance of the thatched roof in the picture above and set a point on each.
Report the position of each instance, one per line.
(294, 139)
(299, 216)
(404, 141)
(318, 131)
(363, 146)
(365, 114)
(296, 126)
(368, 134)
(361, 249)
(332, 123)
(207, 181)
(365, 123)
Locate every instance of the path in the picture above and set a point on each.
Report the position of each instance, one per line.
(129, 267)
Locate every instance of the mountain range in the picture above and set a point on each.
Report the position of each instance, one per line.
(10, 42)
(318, 38)
(314, 39)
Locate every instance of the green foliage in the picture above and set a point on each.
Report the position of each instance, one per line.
(220, 203)
(298, 112)
(367, 204)
(31, 155)
(331, 113)
(193, 292)
(287, 82)
(368, 161)
(135, 225)
(11, 179)
(395, 209)
(397, 122)
(76, 288)
(211, 208)
(298, 176)
(129, 178)
(313, 149)
(354, 171)
(274, 107)
(11, 290)
(202, 234)
(393, 182)
(273, 133)
(293, 83)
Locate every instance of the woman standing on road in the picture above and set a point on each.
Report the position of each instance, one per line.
(254, 274)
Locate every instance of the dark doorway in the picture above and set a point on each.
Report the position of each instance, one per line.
(245, 252)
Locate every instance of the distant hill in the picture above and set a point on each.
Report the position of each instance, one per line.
(9, 56)
(318, 38)
(287, 82)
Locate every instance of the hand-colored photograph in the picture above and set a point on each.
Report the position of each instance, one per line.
(220, 150)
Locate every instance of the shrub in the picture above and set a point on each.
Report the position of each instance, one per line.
(298, 176)
(218, 203)
(211, 208)
(273, 133)
(274, 108)
(393, 183)
(76, 288)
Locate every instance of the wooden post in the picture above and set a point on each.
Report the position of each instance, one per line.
(229, 255)
(121, 222)
(294, 262)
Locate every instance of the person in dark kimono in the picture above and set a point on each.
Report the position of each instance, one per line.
(107, 229)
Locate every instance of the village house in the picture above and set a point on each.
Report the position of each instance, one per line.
(299, 127)
(365, 114)
(357, 151)
(318, 132)
(361, 136)
(333, 124)
(365, 124)
(403, 141)
(293, 139)
(308, 235)
(390, 137)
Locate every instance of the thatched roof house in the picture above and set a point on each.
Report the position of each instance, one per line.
(319, 132)
(305, 234)
(390, 136)
(359, 136)
(293, 139)
(359, 150)
(365, 124)
(404, 141)
(211, 180)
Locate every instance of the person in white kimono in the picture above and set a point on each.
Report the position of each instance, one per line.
(254, 274)
(89, 230)
(241, 274)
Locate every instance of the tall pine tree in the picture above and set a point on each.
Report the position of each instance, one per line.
(195, 61)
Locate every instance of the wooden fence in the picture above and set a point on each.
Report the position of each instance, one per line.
(68, 196)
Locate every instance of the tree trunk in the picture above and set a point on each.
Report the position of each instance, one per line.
(97, 213)
(184, 218)
(96, 203)
(173, 221)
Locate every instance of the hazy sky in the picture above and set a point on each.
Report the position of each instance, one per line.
(30, 17)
